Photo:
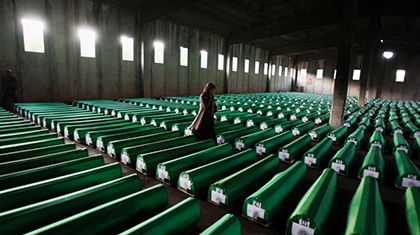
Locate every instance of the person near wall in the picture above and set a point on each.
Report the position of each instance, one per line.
(9, 87)
(203, 124)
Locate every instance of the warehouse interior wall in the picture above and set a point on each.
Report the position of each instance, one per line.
(280, 81)
(384, 75)
(61, 74)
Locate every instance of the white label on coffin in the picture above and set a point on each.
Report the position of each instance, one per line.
(254, 210)
(295, 132)
(379, 128)
(284, 154)
(337, 167)
(398, 131)
(52, 124)
(66, 132)
(293, 117)
(217, 196)
(185, 112)
(162, 173)
(377, 144)
(362, 126)
(188, 132)
(176, 111)
(346, 124)
(184, 182)
(140, 164)
(299, 229)
(354, 141)
(250, 123)
(99, 144)
(318, 121)
(406, 182)
(269, 113)
(232, 109)
(305, 119)
(281, 115)
(220, 139)
(279, 129)
(143, 121)
(263, 126)
(373, 174)
(124, 158)
(113, 113)
(239, 145)
(110, 150)
(240, 109)
(76, 135)
(334, 139)
(119, 115)
(313, 135)
(403, 148)
(88, 139)
(153, 123)
(106, 112)
(416, 134)
(310, 160)
(194, 113)
(162, 124)
(260, 149)
(249, 111)
(175, 128)
(127, 117)
(237, 120)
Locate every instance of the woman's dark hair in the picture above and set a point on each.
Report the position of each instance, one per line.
(208, 87)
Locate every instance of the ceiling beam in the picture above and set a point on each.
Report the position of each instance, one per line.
(154, 12)
(399, 36)
(306, 47)
(288, 26)
(328, 55)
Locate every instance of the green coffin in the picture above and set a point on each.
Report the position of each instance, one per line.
(271, 123)
(350, 122)
(30, 145)
(257, 120)
(377, 140)
(380, 125)
(322, 119)
(54, 187)
(114, 147)
(92, 136)
(407, 174)
(294, 150)
(356, 137)
(416, 148)
(179, 219)
(270, 145)
(102, 219)
(373, 164)
(80, 133)
(169, 171)
(313, 211)
(309, 117)
(285, 126)
(248, 141)
(17, 155)
(167, 124)
(230, 136)
(219, 127)
(146, 119)
(69, 129)
(147, 162)
(43, 160)
(297, 116)
(23, 134)
(41, 173)
(19, 140)
(399, 143)
(319, 155)
(19, 129)
(197, 180)
(343, 158)
(414, 130)
(320, 132)
(265, 206)
(227, 225)
(43, 213)
(338, 135)
(103, 141)
(396, 128)
(366, 214)
(129, 154)
(232, 190)
(411, 211)
(302, 129)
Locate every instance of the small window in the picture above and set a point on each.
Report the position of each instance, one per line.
(303, 73)
(203, 59)
(265, 68)
(184, 56)
(292, 74)
(221, 62)
(87, 43)
(257, 67)
(273, 69)
(280, 70)
(319, 73)
(33, 36)
(159, 52)
(246, 69)
(234, 64)
(127, 48)
(400, 75)
(335, 73)
(356, 74)
(285, 71)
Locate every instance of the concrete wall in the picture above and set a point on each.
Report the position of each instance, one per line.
(60, 74)
(281, 83)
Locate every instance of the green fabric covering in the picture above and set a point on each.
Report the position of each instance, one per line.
(318, 156)
(169, 171)
(338, 135)
(196, 181)
(232, 190)
(271, 123)
(366, 214)
(92, 136)
(230, 136)
(26, 139)
(378, 140)
(248, 141)
(302, 129)
(323, 119)
(285, 126)
(320, 132)
(30, 145)
(407, 174)
(373, 164)
(103, 141)
(411, 210)
(17, 155)
(399, 143)
(179, 219)
(266, 205)
(313, 211)
(356, 137)
(343, 158)
(227, 225)
(294, 150)
(271, 144)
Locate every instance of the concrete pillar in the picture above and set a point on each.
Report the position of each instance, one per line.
(367, 58)
(270, 61)
(343, 63)
(227, 66)
(140, 68)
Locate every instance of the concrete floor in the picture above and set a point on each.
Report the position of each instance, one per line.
(346, 186)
